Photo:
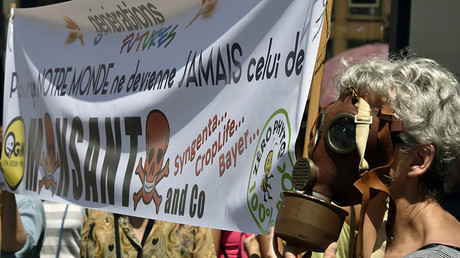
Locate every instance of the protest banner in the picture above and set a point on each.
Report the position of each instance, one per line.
(177, 110)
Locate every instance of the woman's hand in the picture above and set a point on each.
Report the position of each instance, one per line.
(291, 251)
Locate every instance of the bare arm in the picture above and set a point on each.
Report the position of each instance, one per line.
(13, 232)
(216, 233)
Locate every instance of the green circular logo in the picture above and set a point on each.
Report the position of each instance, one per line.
(270, 171)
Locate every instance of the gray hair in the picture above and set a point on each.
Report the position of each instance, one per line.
(425, 96)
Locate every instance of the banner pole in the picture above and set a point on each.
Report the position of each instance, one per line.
(317, 80)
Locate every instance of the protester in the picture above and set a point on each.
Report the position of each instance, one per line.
(108, 234)
(23, 223)
(425, 97)
(23, 226)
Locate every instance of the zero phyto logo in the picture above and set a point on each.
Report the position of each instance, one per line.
(13, 156)
(270, 171)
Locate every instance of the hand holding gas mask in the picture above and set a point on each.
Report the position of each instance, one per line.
(348, 140)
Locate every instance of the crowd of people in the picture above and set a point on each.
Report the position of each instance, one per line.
(409, 217)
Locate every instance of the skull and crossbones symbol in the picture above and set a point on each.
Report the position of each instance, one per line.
(51, 163)
(157, 140)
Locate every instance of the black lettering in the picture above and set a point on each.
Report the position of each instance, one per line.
(236, 46)
(111, 159)
(175, 202)
(168, 201)
(183, 196)
(133, 129)
(90, 164)
(171, 78)
(193, 196)
(220, 65)
(206, 72)
(191, 72)
(14, 83)
(95, 79)
(229, 65)
(201, 201)
(297, 59)
(132, 82)
(250, 75)
(64, 165)
(75, 85)
(165, 79)
(76, 135)
(33, 153)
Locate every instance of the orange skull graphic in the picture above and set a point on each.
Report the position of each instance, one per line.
(157, 140)
(51, 163)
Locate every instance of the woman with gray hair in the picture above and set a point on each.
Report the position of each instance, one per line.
(416, 144)
(426, 97)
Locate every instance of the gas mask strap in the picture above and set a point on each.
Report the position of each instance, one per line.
(375, 178)
(363, 121)
(370, 180)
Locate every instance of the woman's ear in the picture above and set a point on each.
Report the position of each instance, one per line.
(422, 158)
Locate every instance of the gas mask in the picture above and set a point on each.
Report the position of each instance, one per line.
(348, 138)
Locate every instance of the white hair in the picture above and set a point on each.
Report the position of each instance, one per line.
(425, 96)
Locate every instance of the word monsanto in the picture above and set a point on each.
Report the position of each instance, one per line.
(77, 169)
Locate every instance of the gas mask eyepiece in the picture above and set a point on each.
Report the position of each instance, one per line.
(340, 133)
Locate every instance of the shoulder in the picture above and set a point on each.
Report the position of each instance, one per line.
(436, 250)
(29, 203)
(32, 214)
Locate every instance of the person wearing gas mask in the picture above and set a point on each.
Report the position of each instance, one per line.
(392, 131)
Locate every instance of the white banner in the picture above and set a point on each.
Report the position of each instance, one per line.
(183, 111)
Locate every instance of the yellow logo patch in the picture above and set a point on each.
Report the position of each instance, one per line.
(13, 152)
